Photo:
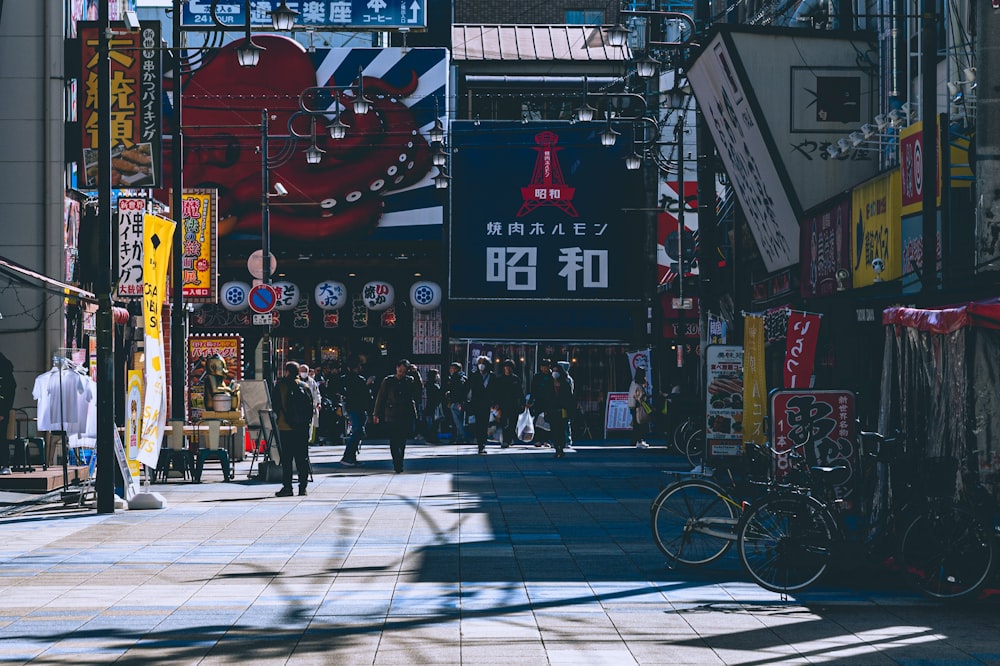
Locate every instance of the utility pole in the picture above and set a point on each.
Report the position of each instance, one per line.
(929, 145)
(178, 319)
(987, 162)
(707, 234)
(106, 461)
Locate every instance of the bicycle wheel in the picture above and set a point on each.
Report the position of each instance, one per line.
(785, 542)
(946, 552)
(693, 524)
(681, 433)
(694, 448)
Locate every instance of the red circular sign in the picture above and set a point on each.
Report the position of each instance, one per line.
(262, 298)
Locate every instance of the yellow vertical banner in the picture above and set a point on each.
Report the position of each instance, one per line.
(754, 380)
(158, 234)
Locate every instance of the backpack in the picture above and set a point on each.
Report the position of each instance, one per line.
(299, 404)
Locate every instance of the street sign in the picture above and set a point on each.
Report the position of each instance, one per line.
(682, 303)
(262, 298)
(350, 14)
(266, 319)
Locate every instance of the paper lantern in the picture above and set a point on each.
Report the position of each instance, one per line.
(233, 296)
(425, 295)
(378, 295)
(288, 295)
(330, 295)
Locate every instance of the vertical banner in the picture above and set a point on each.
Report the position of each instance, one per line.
(822, 424)
(754, 380)
(136, 103)
(199, 220)
(724, 400)
(133, 424)
(800, 352)
(130, 215)
(157, 235)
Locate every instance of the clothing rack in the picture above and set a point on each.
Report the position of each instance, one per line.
(63, 360)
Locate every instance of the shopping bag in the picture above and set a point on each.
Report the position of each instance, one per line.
(541, 423)
(525, 427)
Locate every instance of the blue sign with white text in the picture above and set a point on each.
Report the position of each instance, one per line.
(337, 14)
(541, 211)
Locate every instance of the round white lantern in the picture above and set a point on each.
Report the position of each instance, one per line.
(288, 295)
(330, 295)
(425, 295)
(233, 296)
(378, 295)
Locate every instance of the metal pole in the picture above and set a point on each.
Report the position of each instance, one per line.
(265, 236)
(178, 319)
(681, 325)
(929, 140)
(106, 462)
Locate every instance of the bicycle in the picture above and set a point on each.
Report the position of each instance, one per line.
(788, 542)
(694, 519)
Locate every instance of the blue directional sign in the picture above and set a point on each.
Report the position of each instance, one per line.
(331, 14)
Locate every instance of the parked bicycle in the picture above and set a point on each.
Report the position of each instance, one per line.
(689, 439)
(788, 541)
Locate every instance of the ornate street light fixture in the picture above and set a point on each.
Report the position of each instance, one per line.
(441, 179)
(283, 18)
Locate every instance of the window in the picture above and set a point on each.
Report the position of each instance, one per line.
(584, 16)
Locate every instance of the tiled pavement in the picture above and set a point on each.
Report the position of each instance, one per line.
(510, 558)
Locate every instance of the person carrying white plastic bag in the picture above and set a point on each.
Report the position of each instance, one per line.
(525, 426)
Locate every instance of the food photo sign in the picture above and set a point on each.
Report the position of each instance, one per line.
(724, 400)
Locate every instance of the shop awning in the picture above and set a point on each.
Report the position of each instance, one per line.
(25, 275)
(946, 319)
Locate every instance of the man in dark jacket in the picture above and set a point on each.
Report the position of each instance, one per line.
(396, 405)
(510, 398)
(456, 393)
(541, 398)
(483, 396)
(292, 437)
(357, 403)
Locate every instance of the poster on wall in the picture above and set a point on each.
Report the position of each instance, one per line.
(553, 229)
(724, 400)
(136, 105)
(199, 220)
(203, 347)
(875, 232)
(826, 251)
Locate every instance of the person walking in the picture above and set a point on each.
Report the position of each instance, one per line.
(396, 406)
(293, 430)
(559, 410)
(540, 399)
(357, 403)
(433, 407)
(483, 397)
(510, 399)
(561, 371)
(638, 395)
(456, 393)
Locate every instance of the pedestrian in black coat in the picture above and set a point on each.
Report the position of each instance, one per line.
(510, 399)
(482, 398)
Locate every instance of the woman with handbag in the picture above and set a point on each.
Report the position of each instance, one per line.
(638, 404)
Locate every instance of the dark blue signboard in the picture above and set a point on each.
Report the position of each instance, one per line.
(539, 214)
(336, 14)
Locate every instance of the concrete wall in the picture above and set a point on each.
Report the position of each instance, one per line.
(31, 182)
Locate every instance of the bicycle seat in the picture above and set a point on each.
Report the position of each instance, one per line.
(827, 470)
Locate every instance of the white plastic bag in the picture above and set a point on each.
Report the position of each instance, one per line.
(525, 427)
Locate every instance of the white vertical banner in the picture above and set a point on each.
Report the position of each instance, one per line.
(158, 237)
(130, 217)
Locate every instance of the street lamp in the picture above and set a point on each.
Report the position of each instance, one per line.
(248, 55)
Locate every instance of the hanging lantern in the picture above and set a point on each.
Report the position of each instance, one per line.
(288, 295)
(330, 295)
(233, 296)
(378, 295)
(425, 295)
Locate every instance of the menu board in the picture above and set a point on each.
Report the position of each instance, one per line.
(724, 400)
(617, 416)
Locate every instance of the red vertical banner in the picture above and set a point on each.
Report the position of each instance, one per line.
(800, 354)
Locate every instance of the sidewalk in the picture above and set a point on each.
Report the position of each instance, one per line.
(510, 558)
